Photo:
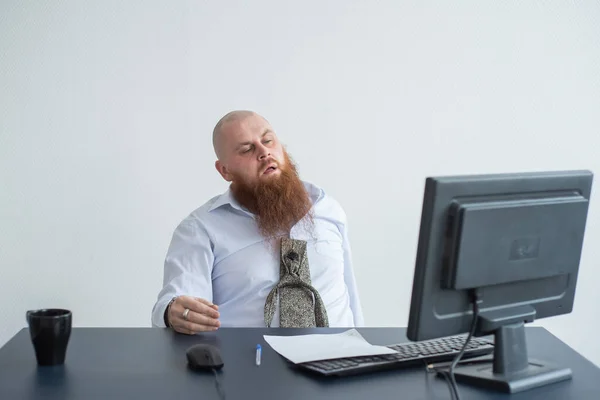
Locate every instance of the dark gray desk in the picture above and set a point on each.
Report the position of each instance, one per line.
(149, 363)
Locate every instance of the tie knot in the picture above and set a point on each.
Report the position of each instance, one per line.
(293, 256)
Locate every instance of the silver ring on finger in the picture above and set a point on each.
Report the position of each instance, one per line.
(185, 313)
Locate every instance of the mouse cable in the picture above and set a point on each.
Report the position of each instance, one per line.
(219, 385)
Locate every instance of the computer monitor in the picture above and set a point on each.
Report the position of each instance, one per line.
(507, 248)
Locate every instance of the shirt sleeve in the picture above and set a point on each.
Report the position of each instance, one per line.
(350, 280)
(187, 268)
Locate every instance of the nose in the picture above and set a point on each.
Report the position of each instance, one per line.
(263, 153)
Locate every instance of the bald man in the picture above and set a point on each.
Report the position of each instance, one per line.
(223, 259)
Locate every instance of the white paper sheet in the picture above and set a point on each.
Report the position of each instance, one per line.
(304, 348)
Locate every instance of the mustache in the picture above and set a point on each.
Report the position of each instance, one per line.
(264, 165)
(269, 161)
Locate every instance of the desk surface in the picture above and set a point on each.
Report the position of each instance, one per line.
(150, 363)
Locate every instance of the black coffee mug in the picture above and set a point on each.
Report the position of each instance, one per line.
(50, 331)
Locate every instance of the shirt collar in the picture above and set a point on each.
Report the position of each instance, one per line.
(315, 193)
(224, 199)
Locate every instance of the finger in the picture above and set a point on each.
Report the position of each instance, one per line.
(189, 326)
(195, 305)
(204, 301)
(176, 312)
(183, 330)
(208, 303)
(202, 319)
(207, 310)
(176, 316)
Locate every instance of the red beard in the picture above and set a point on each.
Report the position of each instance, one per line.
(278, 203)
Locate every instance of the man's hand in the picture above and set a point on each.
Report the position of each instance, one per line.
(202, 315)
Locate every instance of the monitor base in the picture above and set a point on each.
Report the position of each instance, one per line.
(534, 375)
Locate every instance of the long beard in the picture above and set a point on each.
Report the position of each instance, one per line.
(278, 203)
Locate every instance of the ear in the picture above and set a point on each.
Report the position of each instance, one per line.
(223, 171)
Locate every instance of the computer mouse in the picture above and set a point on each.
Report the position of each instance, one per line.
(204, 357)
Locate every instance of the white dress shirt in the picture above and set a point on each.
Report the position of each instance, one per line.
(218, 254)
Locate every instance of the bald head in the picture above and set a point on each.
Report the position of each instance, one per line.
(231, 118)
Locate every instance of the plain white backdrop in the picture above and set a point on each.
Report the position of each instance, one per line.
(107, 108)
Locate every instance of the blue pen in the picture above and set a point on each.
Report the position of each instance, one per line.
(258, 354)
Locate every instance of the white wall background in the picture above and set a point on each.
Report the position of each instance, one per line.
(106, 110)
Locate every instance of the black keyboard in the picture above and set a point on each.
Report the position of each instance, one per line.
(408, 355)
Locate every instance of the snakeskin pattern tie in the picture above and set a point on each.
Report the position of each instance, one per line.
(300, 305)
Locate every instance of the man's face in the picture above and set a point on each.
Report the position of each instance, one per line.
(249, 150)
(264, 178)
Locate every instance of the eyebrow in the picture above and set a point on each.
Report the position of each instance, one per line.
(263, 135)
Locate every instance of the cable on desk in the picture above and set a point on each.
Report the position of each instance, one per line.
(475, 297)
(429, 370)
(218, 385)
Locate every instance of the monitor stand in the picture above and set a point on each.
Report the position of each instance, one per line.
(511, 370)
